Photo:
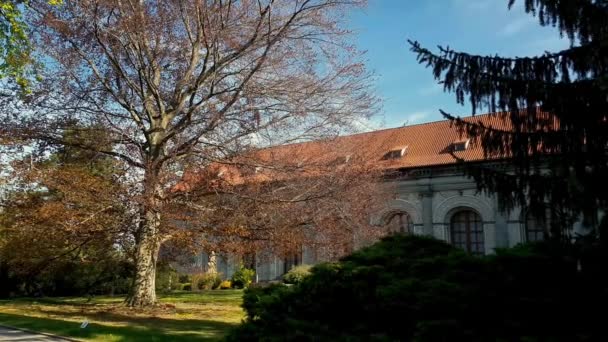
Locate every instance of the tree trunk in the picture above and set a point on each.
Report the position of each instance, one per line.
(143, 292)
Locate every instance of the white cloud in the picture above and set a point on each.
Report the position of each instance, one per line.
(366, 124)
(416, 117)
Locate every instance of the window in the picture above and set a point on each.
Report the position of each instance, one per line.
(395, 153)
(249, 261)
(466, 230)
(291, 260)
(534, 228)
(460, 145)
(399, 223)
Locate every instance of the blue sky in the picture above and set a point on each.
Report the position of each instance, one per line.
(409, 93)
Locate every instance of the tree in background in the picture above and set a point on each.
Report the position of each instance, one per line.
(63, 228)
(557, 106)
(179, 83)
(15, 48)
(279, 200)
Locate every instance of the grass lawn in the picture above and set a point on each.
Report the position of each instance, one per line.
(187, 316)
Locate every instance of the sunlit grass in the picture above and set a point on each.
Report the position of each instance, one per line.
(206, 315)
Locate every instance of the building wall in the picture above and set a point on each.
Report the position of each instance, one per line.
(430, 200)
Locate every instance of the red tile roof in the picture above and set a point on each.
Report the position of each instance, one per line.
(428, 144)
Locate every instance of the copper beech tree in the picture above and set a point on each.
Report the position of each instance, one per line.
(320, 195)
(189, 83)
(66, 207)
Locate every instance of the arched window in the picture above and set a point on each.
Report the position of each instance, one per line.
(535, 228)
(292, 260)
(466, 230)
(399, 223)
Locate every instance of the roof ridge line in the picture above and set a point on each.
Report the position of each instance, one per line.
(338, 137)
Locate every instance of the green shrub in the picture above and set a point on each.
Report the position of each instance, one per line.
(197, 280)
(111, 274)
(242, 278)
(185, 278)
(297, 274)
(255, 298)
(206, 281)
(186, 287)
(167, 278)
(421, 289)
(225, 285)
(217, 282)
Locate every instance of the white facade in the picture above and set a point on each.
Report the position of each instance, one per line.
(431, 198)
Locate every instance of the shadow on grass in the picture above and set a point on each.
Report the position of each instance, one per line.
(62, 300)
(206, 296)
(136, 329)
(157, 322)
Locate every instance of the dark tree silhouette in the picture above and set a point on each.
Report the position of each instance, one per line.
(556, 106)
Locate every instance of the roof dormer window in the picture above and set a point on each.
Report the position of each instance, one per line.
(460, 145)
(395, 153)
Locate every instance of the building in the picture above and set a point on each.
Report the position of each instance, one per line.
(433, 197)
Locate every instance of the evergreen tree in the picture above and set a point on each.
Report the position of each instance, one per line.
(556, 106)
